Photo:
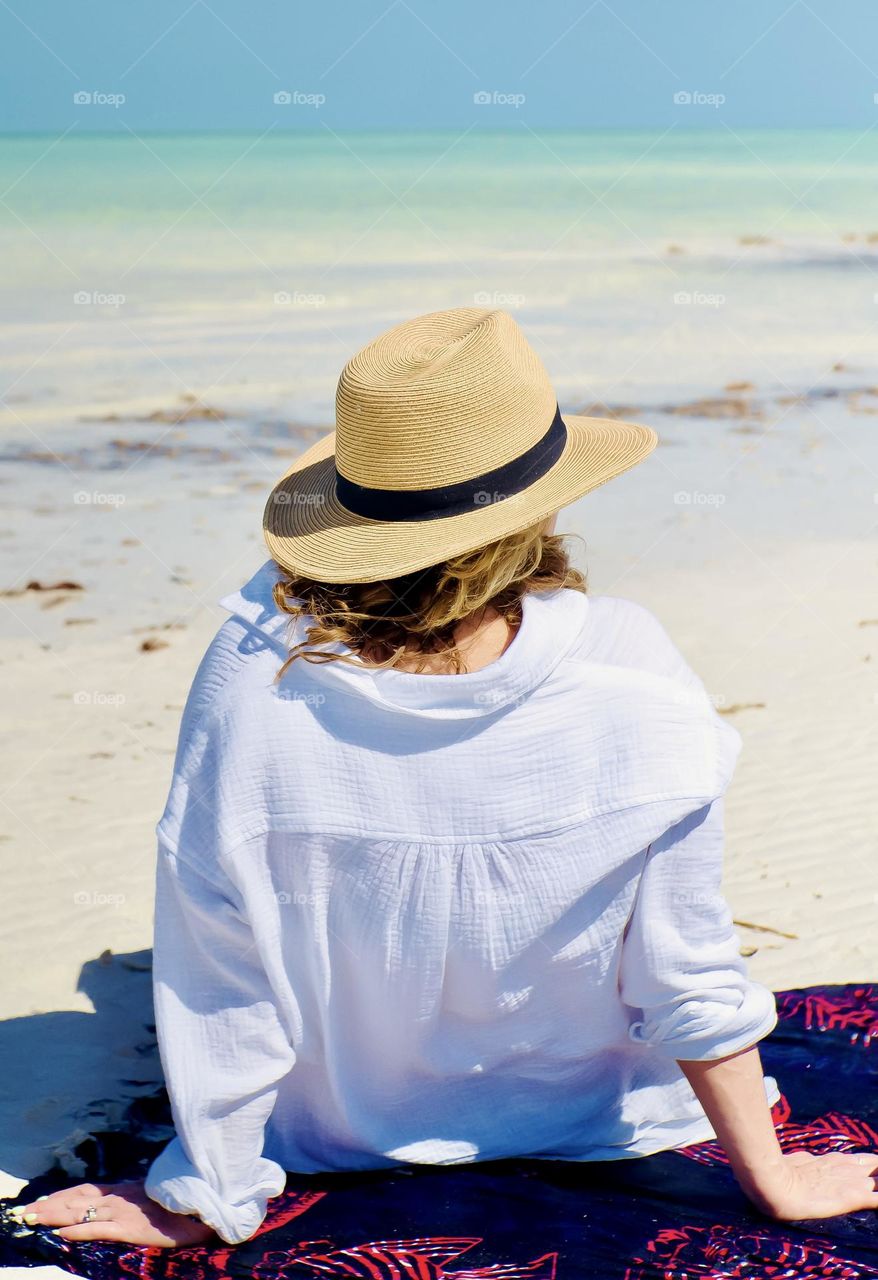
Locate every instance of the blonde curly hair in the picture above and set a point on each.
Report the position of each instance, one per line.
(410, 617)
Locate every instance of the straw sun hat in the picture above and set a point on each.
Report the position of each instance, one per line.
(448, 437)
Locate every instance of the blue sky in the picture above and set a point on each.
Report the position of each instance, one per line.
(418, 64)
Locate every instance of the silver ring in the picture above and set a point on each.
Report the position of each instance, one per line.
(90, 1214)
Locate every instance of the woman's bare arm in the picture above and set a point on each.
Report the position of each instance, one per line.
(794, 1186)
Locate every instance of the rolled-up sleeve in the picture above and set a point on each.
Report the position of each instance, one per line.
(223, 1051)
(682, 975)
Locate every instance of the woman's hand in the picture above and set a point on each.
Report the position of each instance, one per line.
(123, 1212)
(791, 1187)
(801, 1185)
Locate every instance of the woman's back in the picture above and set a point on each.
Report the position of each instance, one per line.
(439, 874)
(589, 709)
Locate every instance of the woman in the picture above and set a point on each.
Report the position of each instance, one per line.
(447, 887)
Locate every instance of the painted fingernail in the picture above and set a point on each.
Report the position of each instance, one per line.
(39, 1198)
(30, 1219)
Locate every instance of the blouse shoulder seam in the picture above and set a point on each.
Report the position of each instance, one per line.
(277, 827)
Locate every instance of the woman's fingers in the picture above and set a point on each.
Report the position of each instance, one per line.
(858, 1189)
(63, 1215)
(68, 1196)
(92, 1231)
(867, 1197)
(857, 1159)
(855, 1162)
(119, 1212)
(61, 1207)
(141, 1233)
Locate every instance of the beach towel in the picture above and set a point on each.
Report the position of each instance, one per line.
(661, 1217)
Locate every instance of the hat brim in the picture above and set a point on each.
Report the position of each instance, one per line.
(309, 533)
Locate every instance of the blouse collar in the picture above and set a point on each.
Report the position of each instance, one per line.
(552, 622)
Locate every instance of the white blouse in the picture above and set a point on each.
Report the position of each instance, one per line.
(435, 919)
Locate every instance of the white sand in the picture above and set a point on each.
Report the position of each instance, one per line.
(767, 578)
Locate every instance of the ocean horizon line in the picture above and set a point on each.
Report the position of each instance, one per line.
(568, 131)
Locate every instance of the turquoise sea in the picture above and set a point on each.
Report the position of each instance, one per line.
(148, 277)
(246, 268)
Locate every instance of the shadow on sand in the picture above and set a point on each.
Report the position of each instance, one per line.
(69, 1077)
